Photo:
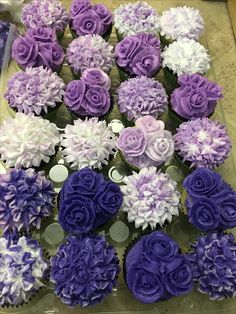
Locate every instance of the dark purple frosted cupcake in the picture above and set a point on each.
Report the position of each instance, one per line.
(4, 31)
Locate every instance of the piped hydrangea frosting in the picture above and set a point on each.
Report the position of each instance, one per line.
(26, 198)
(84, 270)
(26, 141)
(202, 142)
(150, 198)
(45, 13)
(181, 22)
(88, 143)
(90, 51)
(186, 56)
(132, 18)
(141, 96)
(35, 91)
(23, 269)
(213, 260)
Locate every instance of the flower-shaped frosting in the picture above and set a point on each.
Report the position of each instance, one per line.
(141, 96)
(196, 97)
(186, 56)
(45, 13)
(202, 142)
(84, 270)
(155, 270)
(133, 18)
(23, 269)
(90, 51)
(211, 202)
(88, 143)
(181, 22)
(35, 91)
(150, 198)
(26, 141)
(213, 261)
(4, 31)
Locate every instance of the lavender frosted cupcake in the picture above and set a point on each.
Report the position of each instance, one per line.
(90, 19)
(138, 55)
(133, 18)
(141, 96)
(4, 31)
(35, 91)
(84, 270)
(146, 144)
(202, 143)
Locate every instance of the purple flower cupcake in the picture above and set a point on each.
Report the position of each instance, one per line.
(4, 31)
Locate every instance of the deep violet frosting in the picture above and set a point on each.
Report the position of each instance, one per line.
(155, 270)
(210, 201)
(4, 31)
(87, 201)
(84, 270)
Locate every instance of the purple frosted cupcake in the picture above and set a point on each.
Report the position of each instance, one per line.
(138, 55)
(202, 143)
(155, 270)
(90, 19)
(84, 270)
(4, 31)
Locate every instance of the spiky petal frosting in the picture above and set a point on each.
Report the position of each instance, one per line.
(202, 142)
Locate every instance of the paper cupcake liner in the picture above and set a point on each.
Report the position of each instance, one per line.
(60, 34)
(124, 75)
(129, 167)
(171, 80)
(125, 121)
(105, 36)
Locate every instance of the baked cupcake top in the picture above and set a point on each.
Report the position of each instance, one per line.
(192, 57)
(181, 22)
(147, 144)
(150, 198)
(23, 270)
(196, 97)
(132, 18)
(4, 31)
(45, 13)
(26, 141)
(202, 142)
(35, 91)
(84, 270)
(141, 96)
(88, 143)
(90, 51)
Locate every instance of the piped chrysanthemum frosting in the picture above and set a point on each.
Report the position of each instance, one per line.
(181, 22)
(45, 13)
(35, 91)
(150, 198)
(186, 56)
(202, 142)
(88, 143)
(141, 96)
(132, 18)
(26, 198)
(23, 270)
(26, 141)
(90, 51)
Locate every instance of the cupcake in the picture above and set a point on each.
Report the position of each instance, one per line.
(211, 202)
(150, 198)
(196, 97)
(90, 51)
(45, 13)
(38, 47)
(88, 143)
(89, 96)
(202, 143)
(141, 96)
(138, 55)
(155, 270)
(84, 270)
(90, 19)
(133, 18)
(213, 259)
(87, 201)
(146, 144)
(26, 141)
(181, 22)
(23, 270)
(4, 31)
(35, 91)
